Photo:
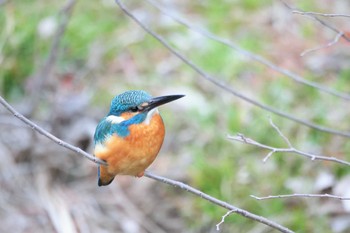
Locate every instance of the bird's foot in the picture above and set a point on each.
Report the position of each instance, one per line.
(139, 175)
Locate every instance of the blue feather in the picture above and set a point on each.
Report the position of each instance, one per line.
(124, 101)
(106, 128)
(120, 104)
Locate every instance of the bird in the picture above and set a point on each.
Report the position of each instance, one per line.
(130, 136)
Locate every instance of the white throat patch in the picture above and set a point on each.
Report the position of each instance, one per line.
(150, 115)
(115, 119)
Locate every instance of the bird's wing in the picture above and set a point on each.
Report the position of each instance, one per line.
(106, 128)
(102, 130)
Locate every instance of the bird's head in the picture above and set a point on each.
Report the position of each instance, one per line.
(131, 103)
(128, 108)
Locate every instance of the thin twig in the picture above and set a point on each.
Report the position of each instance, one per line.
(218, 202)
(47, 134)
(291, 149)
(223, 219)
(225, 86)
(297, 78)
(302, 195)
(320, 14)
(313, 16)
(280, 133)
(334, 41)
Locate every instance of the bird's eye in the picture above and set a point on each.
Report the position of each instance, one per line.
(134, 109)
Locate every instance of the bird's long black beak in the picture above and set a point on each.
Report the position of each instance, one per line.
(157, 101)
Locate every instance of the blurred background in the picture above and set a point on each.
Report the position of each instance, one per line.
(61, 63)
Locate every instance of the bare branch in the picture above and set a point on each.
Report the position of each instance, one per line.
(225, 86)
(241, 138)
(320, 14)
(297, 78)
(148, 174)
(48, 135)
(313, 16)
(223, 219)
(334, 41)
(218, 202)
(269, 155)
(280, 133)
(326, 195)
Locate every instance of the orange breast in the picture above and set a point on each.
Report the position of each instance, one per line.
(133, 154)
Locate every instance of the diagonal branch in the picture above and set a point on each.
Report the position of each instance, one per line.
(231, 208)
(314, 16)
(148, 174)
(334, 41)
(225, 86)
(297, 78)
(290, 149)
(48, 135)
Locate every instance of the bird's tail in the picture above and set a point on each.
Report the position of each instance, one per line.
(104, 178)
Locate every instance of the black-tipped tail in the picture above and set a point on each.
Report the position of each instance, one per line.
(104, 178)
(104, 183)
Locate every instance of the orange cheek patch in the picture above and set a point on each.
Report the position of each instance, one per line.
(128, 115)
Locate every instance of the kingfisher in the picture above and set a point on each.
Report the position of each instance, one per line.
(130, 136)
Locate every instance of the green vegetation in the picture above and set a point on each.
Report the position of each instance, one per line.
(114, 54)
